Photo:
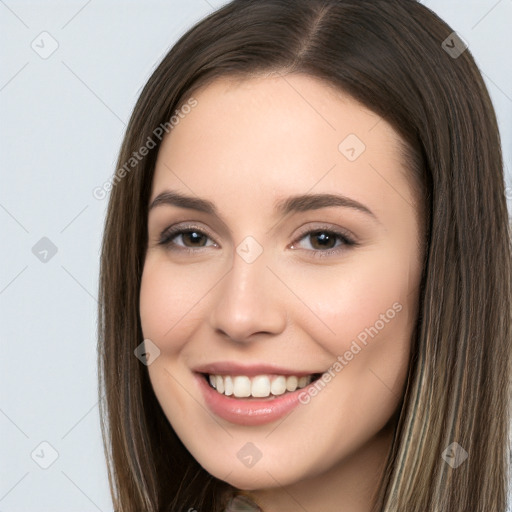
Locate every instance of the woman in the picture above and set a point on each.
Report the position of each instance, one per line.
(306, 270)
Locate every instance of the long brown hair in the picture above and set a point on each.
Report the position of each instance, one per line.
(397, 58)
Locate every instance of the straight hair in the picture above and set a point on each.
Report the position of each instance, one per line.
(391, 56)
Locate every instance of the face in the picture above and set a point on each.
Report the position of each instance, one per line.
(283, 323)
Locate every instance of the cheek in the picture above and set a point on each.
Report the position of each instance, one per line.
(168, 301)
(166, 305)
(371, 297)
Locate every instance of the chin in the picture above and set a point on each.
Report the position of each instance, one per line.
(256, 478)
(250, 481)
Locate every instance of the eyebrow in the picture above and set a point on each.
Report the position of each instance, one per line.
(297, 203)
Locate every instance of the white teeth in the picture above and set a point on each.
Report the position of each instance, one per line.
(278, 385)
(260, 386)
(241, 386)
(291, 383)
(228, 385)
(219, 384)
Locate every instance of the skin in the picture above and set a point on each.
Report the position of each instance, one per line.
(244, 146)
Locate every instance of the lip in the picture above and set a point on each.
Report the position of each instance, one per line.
(249, 412)
(232, 368)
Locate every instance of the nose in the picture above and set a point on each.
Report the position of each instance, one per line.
(248, 302)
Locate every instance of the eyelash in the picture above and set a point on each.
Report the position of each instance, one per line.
(168, 234)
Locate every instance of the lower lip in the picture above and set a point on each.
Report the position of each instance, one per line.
(248, 412)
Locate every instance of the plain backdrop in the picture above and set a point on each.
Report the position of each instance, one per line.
(69, 77)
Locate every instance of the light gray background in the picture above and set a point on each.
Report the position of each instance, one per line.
(62, 121)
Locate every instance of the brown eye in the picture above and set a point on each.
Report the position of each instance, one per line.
(191, 238)
(325, 242)
(322, 240)
(194, 237)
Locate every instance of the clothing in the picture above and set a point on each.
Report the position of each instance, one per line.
(242, 504)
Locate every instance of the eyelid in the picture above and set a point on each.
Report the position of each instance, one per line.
(177, 229)
(329, 228)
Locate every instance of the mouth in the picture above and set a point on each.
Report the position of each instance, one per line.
(268, 386)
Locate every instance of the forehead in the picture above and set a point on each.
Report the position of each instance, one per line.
(276, 135)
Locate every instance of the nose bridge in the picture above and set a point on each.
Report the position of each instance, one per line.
(247, 302)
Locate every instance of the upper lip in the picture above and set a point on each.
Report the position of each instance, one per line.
(250, 370)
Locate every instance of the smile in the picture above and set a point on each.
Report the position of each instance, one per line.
(259, 386)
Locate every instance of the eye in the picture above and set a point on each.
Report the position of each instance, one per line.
(323, 242)
(192, 237)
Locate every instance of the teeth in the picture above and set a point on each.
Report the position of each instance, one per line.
(219, 384)
(241, 386)
(260, 386)
(228, 386)
(303, 381)
(291, 383)
(278, 386)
